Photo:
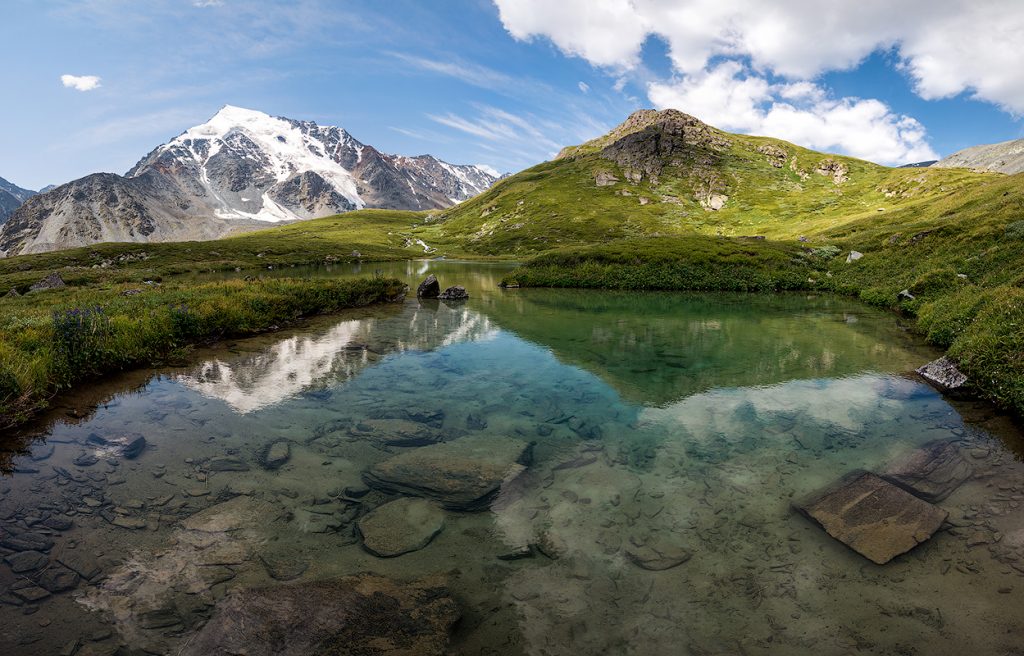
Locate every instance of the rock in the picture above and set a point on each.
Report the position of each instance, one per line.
(943, 374)
(58, 579)
(59, 523)
(27, 542)
(132, 447)
(873, 517)
(713, 202)
(81, 564)
(401, 526)
(85, 460)
(52, 281)
(931, 472)
(396, 432)
(30, 593)
(366, 614)
(454, 293)
(283, 568)
(475, 422)
(26, 561)
(160, 618)
(518, 554)
(356, 491)
(464, 474)
(657, 557)
(240, 512)
(429, 288)
(854, 256)
(276, 454)
(12, 293)
(905, 295)
(227, 464)
(605, 179)
(131, 523)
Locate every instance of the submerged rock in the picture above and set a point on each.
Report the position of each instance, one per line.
(429, 288)
(401, 526)
(366, 614)
(454, 293)
(240, 512)
(26, 561)
(931, 472)
(227, 464)
(396, 432)
(276, 454)
(873, 517)
(464, 474)
(944, 374)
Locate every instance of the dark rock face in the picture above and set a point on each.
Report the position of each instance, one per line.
(429, 288)
(873, 517)
(944, 374)
(368, 615)
(932, 472)
(454, 293)
(11, 198)
(463, 475)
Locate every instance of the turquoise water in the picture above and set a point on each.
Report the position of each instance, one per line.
(676, 422)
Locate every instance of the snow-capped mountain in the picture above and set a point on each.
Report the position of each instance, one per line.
(241, 168)
(11, 197)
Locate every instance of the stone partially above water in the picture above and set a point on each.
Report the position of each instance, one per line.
(873, 517)
(429, 288)
(943, 374)
(931, 472)
(368, 615)
(464, 474)
(401, 526)
(454, 293)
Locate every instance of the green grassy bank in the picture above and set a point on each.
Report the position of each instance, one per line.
(54, 339)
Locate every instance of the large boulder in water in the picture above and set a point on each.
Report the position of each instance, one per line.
(454, 293)
(429, 288)
(944, 374)
(931, 472)
(463, 475)
(873, 517)
(365, 614)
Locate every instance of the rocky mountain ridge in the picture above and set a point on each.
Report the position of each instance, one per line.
(242, 169)
(11, 198)
(1003, 157)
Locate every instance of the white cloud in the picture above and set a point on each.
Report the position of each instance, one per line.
(801, 112)
(584, 87)
(207, 3)
(80, 82)
(945, 47)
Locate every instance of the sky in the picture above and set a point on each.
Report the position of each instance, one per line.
(94, 85)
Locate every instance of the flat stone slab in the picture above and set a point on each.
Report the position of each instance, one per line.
(464, 474)
(931, 472)
(396, 432)
(240, 512)
(368, 615)
(401, 526)
(873, 517)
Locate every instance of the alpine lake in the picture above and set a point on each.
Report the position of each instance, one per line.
(531, 471)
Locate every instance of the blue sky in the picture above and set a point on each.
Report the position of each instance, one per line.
(503, 83)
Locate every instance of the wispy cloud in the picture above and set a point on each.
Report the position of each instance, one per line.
(80, 82)
(584, 87)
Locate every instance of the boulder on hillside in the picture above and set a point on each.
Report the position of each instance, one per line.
(854, 256)
(454, 293)
(873, 517)
(463, 475)
(429, 288)
(366, 614)
(52, 281)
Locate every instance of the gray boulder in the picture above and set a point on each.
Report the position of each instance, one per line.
(944, 374)
(454, 293)
(429, 288)
(52, 281)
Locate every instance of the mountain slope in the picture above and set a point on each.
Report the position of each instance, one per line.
(11, 197)
(1005, 157)
(667, 173)
(239, 169)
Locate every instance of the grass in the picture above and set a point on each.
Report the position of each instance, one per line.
(376, 235)
(52, 340)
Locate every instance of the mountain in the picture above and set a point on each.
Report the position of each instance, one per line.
(239, 170)
(667, 173)
(919, 165)
(1005, 157)
(11, 197)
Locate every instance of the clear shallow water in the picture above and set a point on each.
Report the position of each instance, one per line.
(688, 422)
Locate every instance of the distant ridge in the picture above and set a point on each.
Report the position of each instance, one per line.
(1004, 157)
